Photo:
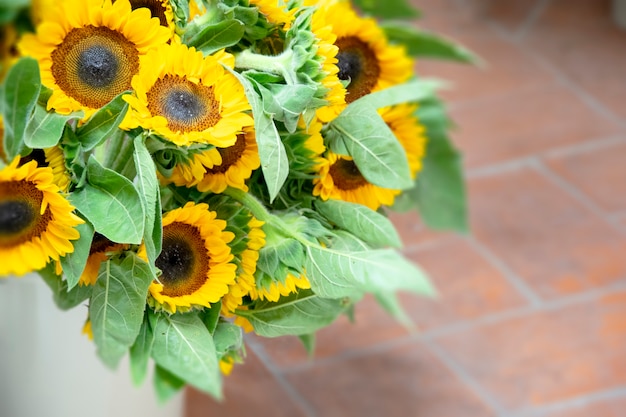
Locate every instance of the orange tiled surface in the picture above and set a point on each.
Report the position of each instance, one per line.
(531, 318)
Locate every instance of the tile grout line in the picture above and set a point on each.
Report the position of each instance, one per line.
(509, 275)
(573, 403)
(574, 192)
(293, 394)
(464, 377)
(594, 144)
(531, 19)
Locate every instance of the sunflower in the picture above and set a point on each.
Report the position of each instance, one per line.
(188, 98)
(98, 253)
(89, 50)
(274, 11)
(340, 179)
(409, 132)
(365, 58)
(36, 222)
(51, 157)
(8, 48)
(327, 52)
(195, 260)
(277, 289)
(161, 9)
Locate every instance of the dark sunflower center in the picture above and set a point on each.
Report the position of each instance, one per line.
(230, 155)
(99, 243)
(37, 155)
(156, 7)
(186, 106)
(94, 64)
(357, 63)
(346, 175)
(184, 260)
(20, 218)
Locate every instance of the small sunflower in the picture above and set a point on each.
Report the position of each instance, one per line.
(188, 98)
(409, 132)
(195, 260)
(8, 48)
(98, 253)
(51, 157)
(89, 50)
(365, 59)
(340, 179)
(277, 289)
(36, 222)
(161, 9)
(274, 11)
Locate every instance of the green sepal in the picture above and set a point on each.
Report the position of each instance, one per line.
(111, 203)
(20, 93)
(74, 263)
(103, 123)
(63, 297)
(117, 306)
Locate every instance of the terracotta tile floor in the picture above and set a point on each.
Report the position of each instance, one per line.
(531, 319)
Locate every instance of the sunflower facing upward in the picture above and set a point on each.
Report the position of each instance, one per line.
(188, 98)
(88, 51)
(36, 221)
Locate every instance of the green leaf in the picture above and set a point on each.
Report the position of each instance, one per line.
(388, 9)
(364, 223)
(45, 128)
(227, 337)
(412, 91)
(20, 94)
(308, 341)
(391, 304)
(148, 187)
(214, 37)
(64, 298)
(301, 313)
(111, 203)
(429, 45)
(211, 316)
(377, 153)
(117, 306)
(287, 102)
(166, 384)
(274, 162)
(140, 353)
(103, 123)
(184, 346)
(335, 274)
(74, 263)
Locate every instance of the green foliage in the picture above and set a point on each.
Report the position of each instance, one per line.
(64, 297)
(45, 128)
(103, 123)
(297, 314)
(388, 9)
(74, 263)
(117, 306)
(216, 36)
(428, 45)
(185, 348)
(19, 97)
(140, 352)
(166, 384)
(109, 195)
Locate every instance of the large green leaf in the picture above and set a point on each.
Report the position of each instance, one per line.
(63, 297)
(429, 45)
(184, 346)
(117, 306)
(74, 263)
(20, 94)
(274, 162)
(388, 9)
(111, 203)
(298, 314)
(227, 337)
(45, 128)
(166, 384)
(335, 274)
(103, 123)
(214, 37)
(364, 223)
(148, 187)
(140, 353)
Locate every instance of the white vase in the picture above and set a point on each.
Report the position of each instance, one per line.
(49, 369)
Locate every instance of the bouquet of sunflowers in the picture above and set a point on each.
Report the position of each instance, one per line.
(192, 170)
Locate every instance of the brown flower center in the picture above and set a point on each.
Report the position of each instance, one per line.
(229, 155)
(37, 155)
(357, 63)
(156, 7)
(20, 218)
(346, 175)
(94, 64)
(186, 106)
(184, 260)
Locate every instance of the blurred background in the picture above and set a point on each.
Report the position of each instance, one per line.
(531, 319)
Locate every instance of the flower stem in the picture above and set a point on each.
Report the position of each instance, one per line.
(276, 64)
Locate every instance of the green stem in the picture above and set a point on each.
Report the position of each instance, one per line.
(276, 64)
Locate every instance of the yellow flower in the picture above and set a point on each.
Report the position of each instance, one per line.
(161, 9)
(36, 221)
(277, 289)
(274, 11)
(87, 330)
(409, 132)
(188, 98)
(98, 253)
(365, 58)
(89, 50)
(340, 179)
(51, 157)
(8, 48)
(195, 260)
